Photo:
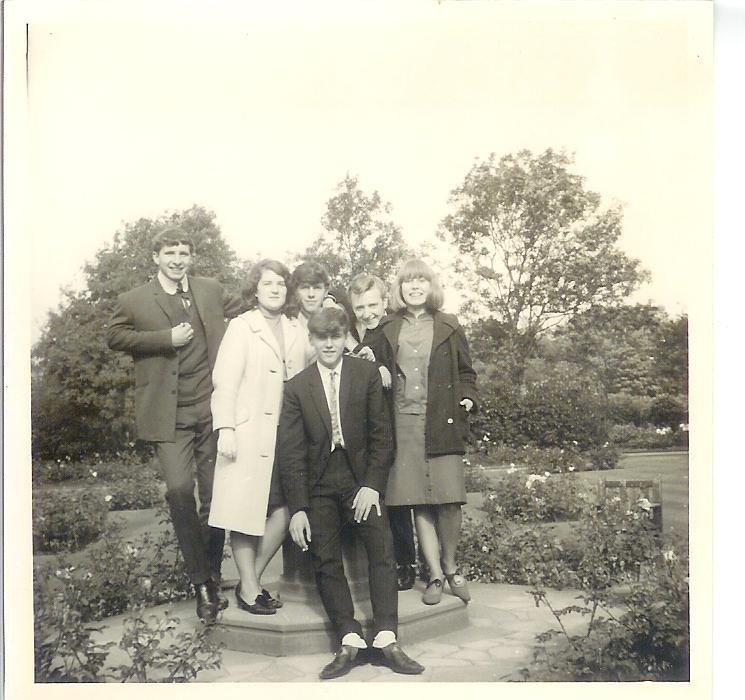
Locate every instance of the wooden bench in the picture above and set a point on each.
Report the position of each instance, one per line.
(631, 491)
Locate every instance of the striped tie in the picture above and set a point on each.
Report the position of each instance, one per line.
(335, 427)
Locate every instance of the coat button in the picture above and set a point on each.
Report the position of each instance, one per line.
(450, 420)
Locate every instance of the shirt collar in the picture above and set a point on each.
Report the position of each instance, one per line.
(171, 287)
(325, 371)
(410, 316)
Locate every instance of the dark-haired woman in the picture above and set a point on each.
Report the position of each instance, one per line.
(261, 348)
(434, 386)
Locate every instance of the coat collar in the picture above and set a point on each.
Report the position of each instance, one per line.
(444, 326)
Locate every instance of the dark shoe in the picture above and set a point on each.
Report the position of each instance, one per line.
(406, 575)
(458, 586)
(396, 659)
(269, 601)
(433, 594)
(343, 662)
(222, 601)
(255, 608)
(206, 603)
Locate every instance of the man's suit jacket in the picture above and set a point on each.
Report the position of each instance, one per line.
(305, 430)
(141, 325)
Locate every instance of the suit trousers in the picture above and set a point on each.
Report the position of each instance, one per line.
(193, 454)
(330, 511)
(402, 530)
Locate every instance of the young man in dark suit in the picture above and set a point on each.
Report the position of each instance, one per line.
(336, 449)
(172, 326)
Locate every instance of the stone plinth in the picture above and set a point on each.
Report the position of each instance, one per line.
(301, 625)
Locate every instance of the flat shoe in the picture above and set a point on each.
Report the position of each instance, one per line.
(255, 608)
(269, 601)
(394, 657)
(458, 586)
(433, 594)
(345, 659)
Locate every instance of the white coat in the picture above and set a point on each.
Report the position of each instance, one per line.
(248, 383)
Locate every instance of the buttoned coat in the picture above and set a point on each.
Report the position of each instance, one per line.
(450, 379)
(141, 325)
(305, 430)
(248, 379)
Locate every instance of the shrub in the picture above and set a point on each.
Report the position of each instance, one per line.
(648, 437)
(133, 494)
(668, 411)
(645, 636)
(67, 519)
(627, 408)
(119, 574)
(553, 459)
(516, 495)
(55, 471)
(604, 457)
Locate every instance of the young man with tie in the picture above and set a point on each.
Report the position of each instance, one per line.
(336, 449)
(172, 326)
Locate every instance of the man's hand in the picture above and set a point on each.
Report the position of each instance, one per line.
(385, 376)
(226, 443)
(300, 530)
(363, 502)
(181, 334)
(467, 404)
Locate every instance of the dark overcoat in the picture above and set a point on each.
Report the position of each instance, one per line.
(141, 325)
(450, 379)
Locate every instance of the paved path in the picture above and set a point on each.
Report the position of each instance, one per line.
(496, 645)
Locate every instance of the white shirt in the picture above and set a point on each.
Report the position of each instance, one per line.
(325, 373)
(171, 287)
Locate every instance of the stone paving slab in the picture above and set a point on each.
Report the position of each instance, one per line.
(497, 644)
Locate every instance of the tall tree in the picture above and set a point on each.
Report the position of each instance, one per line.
(535, 247)
(82, 400)
(358, 235)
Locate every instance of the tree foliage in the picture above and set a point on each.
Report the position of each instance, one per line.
(358, 235)
(82, 396)
(535, 247)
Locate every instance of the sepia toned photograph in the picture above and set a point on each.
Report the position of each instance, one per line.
(354, 344)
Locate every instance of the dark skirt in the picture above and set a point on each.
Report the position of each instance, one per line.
(419, 480)
(276, 492)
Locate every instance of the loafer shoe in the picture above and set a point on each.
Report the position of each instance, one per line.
(395, 658)
(345, 659)
(255, 608)
(269, 600)
(206, 603)
(433, 594)
(405, 575)
(458, 586)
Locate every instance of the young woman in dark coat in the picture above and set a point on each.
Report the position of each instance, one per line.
(434, 387)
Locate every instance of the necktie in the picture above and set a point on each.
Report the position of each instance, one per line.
(185, 301)
(335, 427)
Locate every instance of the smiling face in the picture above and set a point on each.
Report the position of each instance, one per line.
(414, 292)
(173, 261)
(271, 291)
(369, 307)
(329, 347)
(310, 296)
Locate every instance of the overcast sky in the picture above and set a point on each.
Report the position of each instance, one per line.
(258, 116)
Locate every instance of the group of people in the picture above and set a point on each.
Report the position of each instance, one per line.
(314, 410)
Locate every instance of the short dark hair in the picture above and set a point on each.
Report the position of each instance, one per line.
(331, 321)
(309, 273)
(171, 236)
(254, 276)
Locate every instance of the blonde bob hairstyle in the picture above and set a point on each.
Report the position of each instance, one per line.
(413, 269)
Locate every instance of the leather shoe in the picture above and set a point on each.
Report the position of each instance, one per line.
(255, 608)
(406, 575)
(345, 659)
(206, 603)
(458, 586)
(433, 593)
(269, 601)
(394, 657)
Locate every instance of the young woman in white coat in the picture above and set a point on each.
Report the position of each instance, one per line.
(261, 349)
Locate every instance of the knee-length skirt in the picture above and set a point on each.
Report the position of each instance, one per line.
(416, 479)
